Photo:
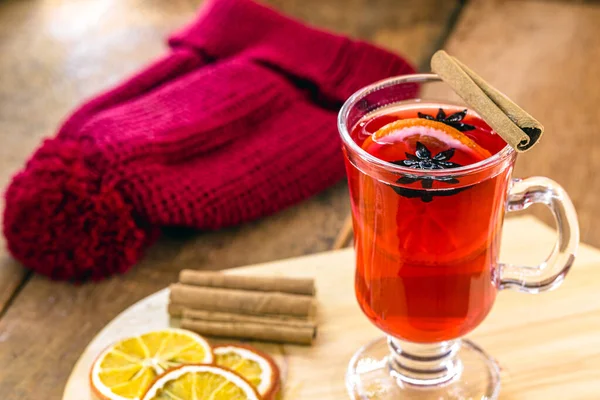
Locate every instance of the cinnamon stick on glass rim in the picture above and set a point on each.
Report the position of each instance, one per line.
(519, 129)
(304, 286)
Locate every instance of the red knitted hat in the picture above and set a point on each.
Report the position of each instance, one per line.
(236, 122)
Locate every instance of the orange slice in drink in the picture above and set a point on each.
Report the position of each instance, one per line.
(430, 232)
(404, 134)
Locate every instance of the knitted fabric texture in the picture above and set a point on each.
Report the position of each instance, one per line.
(237, 121)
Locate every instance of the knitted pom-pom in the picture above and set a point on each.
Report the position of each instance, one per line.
(66, 221)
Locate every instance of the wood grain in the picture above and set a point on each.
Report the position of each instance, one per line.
(547, 345)
(344, 235)
(12, 276)
(413, 28)
(545, 56)
(55, 53)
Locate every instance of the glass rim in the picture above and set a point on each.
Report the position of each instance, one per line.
(506, 152)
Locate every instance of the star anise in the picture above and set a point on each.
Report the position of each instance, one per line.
(453, 120)
(423, 160)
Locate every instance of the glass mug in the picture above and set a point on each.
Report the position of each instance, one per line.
(427, 269)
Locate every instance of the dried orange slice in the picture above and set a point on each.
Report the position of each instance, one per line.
(196, 382)
(431, 133)
(258, 368)
(127, 368)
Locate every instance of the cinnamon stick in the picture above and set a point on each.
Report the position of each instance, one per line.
(229, 317)
(241, 301)
(176, 310)
(251, 330)
(519, 129)
(304, 286)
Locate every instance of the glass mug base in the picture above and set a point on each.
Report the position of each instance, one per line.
(471, 374)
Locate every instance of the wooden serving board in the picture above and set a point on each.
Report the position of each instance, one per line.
(548, 346)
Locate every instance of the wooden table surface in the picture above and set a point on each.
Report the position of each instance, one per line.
(556, 355)
(55, 53)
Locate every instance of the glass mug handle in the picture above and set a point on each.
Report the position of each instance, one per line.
(549, 274)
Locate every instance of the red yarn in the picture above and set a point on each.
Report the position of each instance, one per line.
(65, 223)
(236, 122)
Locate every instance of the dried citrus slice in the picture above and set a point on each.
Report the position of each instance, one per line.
(127, 368)
(196, 382)
(433, 134)
(258, 368)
